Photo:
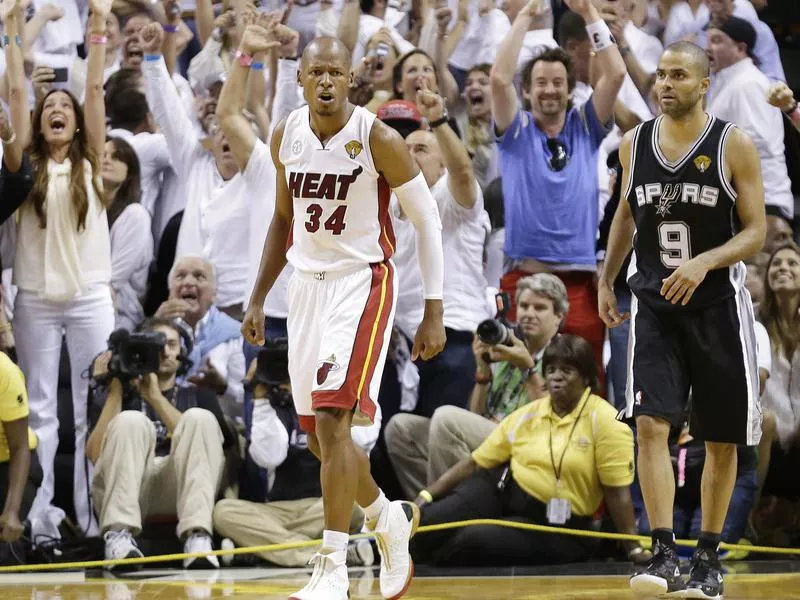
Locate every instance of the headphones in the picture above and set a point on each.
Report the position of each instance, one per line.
(187, 345)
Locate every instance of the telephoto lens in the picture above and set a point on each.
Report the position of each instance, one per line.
(494, 332)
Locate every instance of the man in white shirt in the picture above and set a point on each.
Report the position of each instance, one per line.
(448, 171)
(217, 357)
(738, 94)
(371, 18)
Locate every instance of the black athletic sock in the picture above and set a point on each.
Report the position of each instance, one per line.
(709, 542)
(664, 537)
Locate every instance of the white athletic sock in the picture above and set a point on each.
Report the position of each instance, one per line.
(334, 540)
(374, 510)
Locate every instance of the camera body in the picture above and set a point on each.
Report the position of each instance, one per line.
(272, 371)
(498, 331)
(134, 354)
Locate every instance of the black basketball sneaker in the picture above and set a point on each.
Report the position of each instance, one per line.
(705, 577)
(661, 578)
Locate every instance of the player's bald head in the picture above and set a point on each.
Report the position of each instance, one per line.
(326, 48)
(692, 55)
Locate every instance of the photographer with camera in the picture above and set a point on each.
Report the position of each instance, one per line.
(157, 447)
(293, 511)
(508, 376)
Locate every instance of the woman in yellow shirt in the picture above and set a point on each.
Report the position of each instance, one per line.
(20, 473)
(551, 462)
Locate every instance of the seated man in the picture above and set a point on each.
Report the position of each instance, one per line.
(507, 377)
(551, 462)
(293, 511)
(158, 450)
(20, 473)
(217, 357)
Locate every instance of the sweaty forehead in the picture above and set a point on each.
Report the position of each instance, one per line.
(326, 54)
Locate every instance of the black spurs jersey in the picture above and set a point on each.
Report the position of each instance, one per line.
(681, 209)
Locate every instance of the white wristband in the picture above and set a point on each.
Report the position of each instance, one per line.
(600, 35)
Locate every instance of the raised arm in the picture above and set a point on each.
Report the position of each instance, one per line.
(33, 28)
(448, 87)
(94, 102)
(11, 14)
(348, 24)
(273, 258)
(394, 162)
(744, 165)
(620, 241)
(461, 180)
(608, 60)
(504, 93)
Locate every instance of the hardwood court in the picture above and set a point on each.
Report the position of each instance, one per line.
(269, 584)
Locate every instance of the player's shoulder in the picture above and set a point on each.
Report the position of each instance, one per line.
(381, 136)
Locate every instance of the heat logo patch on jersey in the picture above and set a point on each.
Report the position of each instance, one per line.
(353, 148)
(702, 163)
(324, 367)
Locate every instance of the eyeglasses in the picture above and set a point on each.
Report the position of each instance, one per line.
(558, 154)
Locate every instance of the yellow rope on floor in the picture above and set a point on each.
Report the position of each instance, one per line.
(90, 564)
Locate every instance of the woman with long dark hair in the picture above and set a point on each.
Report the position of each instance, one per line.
(131, 235)
(63, 260)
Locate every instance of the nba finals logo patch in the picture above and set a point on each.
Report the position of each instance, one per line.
(326, 366)
(702, 163)
(353, 148)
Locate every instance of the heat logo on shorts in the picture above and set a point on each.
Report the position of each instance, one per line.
(326, 366)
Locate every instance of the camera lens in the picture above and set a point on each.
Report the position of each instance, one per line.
(491, 332)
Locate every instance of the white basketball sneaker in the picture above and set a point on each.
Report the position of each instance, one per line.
(329, 581)
(396, 526)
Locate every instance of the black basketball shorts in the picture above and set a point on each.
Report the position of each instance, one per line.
(709, 352)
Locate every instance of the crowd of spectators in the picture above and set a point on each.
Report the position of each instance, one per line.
(135, 194)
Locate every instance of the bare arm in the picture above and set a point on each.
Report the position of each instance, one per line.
(33, 28)
(620, 506)
(620, 238)
(16, 433)
(504, 94)
(17, 89)
(448, 87)
(459, 472)
(204, 20)
(94, 102)
(348, 25)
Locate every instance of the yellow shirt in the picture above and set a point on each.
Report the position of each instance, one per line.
(13, 402)
(600, 451)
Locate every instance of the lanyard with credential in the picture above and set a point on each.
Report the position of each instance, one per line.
(566, 447)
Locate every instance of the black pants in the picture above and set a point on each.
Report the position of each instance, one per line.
(34, 481)
(447, 378)
(488, 545)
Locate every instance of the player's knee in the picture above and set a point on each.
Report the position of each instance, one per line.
(332, 425)
(650, 430)
(719, 452)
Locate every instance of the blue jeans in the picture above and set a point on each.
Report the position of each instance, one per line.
(618, 337)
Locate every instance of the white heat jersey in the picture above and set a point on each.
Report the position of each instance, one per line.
(341, 202)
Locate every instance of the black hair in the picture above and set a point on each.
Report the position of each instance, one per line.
(397, 72)
(126, 106)
(571, 27)
(697, 55)
(130, 190)
(573, 351)
(150, 323)
(549, 55)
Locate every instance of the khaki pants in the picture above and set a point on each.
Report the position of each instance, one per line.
(422, 450)
(131, 483)
(256, 524)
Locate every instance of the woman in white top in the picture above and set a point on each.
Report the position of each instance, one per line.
(131, 235)
(63, 260)
(780, 314)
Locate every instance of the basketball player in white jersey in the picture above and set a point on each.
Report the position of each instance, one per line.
(336, 168)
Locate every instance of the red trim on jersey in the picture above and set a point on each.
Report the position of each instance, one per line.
(308, 423)
(367, 347)
(386, 237)
(290, 237)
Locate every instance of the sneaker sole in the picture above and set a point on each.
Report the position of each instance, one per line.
(415, 517)
(699, 595)
(651, 586)
(125, 568)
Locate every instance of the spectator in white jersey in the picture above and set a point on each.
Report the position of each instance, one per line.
(449, 377)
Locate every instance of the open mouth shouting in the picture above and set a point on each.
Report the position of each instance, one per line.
(58, 123)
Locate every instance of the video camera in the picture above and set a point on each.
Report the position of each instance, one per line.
(272, 370)
(498, 331)
(134, 354)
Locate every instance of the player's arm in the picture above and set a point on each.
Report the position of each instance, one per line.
(620, 241)
(745, 169)
(273, 258)
(394, 162)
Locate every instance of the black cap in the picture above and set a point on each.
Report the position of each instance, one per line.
(740, 31)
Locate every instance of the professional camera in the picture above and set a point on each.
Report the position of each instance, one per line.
(497, 331)
(134, 354)
(272, 370)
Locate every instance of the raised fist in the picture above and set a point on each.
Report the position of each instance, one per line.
(152, 36)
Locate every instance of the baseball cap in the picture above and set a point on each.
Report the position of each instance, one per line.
(401, 115)
(739, 30)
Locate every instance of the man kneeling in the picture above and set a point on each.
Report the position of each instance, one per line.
(158, 450)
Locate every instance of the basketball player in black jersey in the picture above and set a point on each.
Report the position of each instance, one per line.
(693, 204)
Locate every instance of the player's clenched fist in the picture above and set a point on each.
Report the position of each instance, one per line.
(253, 325)
(430, 338)
(152, 36)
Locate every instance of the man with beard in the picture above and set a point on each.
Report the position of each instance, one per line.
(548, 161)
(692, 195)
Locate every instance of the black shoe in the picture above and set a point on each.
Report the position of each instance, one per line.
(705, 577)
(661, 578)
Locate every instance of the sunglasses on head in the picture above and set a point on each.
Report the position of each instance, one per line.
(558, 154)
